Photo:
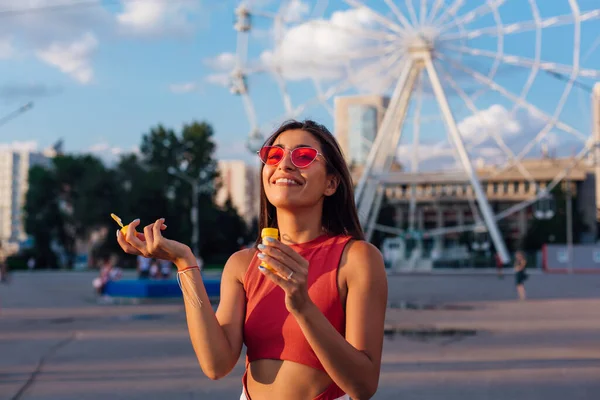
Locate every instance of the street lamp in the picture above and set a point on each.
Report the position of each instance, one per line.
(21, 110)
(197, 187)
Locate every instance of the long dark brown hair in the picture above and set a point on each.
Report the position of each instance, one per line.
(339, 210)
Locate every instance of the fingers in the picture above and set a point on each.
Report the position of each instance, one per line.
(156, 227)
(132, 238)
(149, 234)
(276, 254)
(274, 277)
(127, 248)
(285, 249)
(276, 265)
(141, 244)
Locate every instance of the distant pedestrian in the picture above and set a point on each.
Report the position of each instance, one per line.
(520, 274)
(499, 266)
(3, 265)
(143, 267)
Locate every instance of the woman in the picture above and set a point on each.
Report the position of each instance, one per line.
(313, 322)
(520, 274)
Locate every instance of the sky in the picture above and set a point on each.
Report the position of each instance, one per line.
(101, 73)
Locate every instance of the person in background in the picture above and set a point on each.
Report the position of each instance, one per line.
(499, 266)
(165, 268)
(520, 274)
(313, 321)
(143, 267)
(108, 272)
(31, 263)
(3, 264)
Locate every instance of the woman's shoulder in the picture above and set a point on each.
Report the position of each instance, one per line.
(363, 259)
(238, 262)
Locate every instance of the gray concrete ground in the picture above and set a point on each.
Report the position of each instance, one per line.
(57, 342)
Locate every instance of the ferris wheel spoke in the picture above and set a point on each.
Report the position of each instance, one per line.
(354, 79)
(511, 96)
(449, 12)
(423, 12)
(361, 32)
(537, 54)
(250, 112)
(526, 62)
(321, 96)
(523, 26)
(372, 69)
(383, 20)
(557, 179)
(415, 150)
(482, 10)
(398, 14)
(542, 134)
(411, 12)
(492, 133)
(434, 10)
(242, 49)
(320, 8)
(287, 101)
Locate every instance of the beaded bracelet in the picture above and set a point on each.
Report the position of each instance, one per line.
(194, 299)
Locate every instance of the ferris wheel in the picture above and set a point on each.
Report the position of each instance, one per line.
(467, 80)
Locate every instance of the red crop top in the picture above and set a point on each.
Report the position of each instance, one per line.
(270, 331)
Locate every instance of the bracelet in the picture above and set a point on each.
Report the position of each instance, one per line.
(189, 293)
(188, 268)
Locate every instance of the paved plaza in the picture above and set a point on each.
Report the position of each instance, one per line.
(456, 337)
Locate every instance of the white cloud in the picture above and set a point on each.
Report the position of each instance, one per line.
(515, 131)
(222, 62)
(220, 79)
(495, 119)
(320, 48)
(186, 87)
(7, 49)
(156, 16)
(56, 37)
(72, 58)
(296, 10)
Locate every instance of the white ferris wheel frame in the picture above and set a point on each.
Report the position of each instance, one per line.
(411, 67)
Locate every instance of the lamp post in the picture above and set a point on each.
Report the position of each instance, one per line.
(197, 187)
(21, 110)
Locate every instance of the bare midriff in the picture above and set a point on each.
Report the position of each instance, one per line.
(281, 379)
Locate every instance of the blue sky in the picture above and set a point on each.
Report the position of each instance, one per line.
(102, 74)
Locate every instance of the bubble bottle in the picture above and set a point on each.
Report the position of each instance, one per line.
(269, 232)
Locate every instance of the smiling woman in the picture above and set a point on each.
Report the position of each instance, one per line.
(313, 322)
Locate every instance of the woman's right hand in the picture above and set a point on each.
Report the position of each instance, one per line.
(155, 244)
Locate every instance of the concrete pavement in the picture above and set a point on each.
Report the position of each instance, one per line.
(56, 342)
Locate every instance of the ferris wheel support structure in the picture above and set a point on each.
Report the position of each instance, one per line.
(370, 191)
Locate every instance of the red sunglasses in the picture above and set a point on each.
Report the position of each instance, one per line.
(301, 157)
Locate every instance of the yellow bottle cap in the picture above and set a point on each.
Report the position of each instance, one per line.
(272, 232)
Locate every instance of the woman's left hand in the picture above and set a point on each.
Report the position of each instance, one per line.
(289, 270)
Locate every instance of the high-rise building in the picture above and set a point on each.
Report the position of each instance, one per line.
(240, 182)
(357, 119)
(14, 172)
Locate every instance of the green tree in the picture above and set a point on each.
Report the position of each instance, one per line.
(156, 192)
(42, 217)
(82, 193)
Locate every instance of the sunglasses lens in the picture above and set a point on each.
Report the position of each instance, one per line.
(271, 155)
(303, 156)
